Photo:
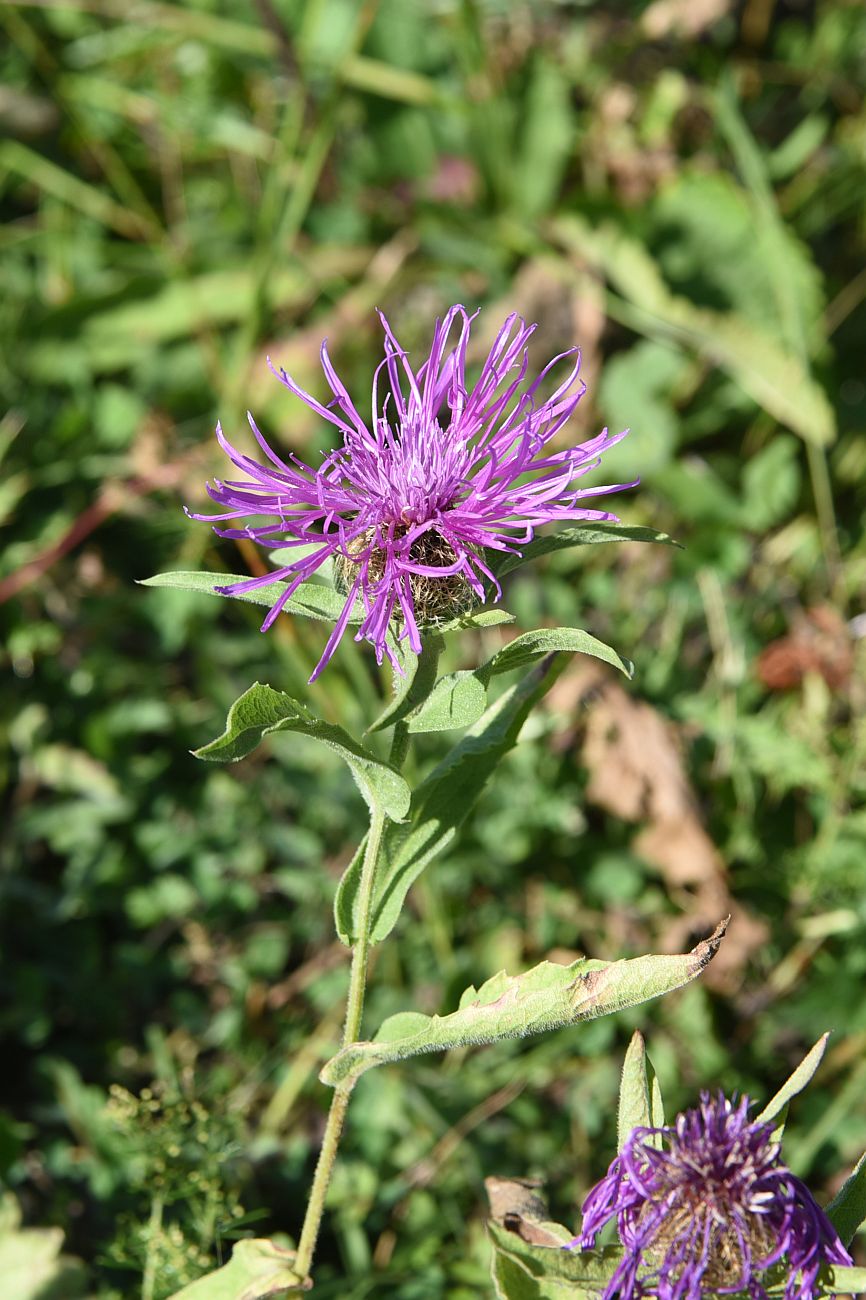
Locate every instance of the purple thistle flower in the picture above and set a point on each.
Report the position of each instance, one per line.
(410, 502)
(704, 1206)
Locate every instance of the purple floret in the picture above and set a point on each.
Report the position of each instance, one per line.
(410, 502)
(706, 1205)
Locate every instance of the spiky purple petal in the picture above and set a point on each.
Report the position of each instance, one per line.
(440, 470)
(705, 1207)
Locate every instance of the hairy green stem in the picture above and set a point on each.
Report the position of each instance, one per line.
(351, 1030)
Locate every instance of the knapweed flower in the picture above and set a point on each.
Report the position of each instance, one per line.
(706, 1205)
(410, 502)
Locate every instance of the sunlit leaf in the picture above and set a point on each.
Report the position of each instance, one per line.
(257, 1270)
(511, 1006)
(777, 1105)
(310, 599)
(640, 1098)
(32, 1264)
(502, 562)
(261, 711)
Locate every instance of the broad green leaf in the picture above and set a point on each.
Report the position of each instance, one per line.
(501, 562)
(777, 1105)
(773, 376)
(547, 997)
(441, 803)
(847, 1210)
(459, 699)
(261, 711)
(310, 599)
(32, 1265)
(257, 1270)
(723, 245)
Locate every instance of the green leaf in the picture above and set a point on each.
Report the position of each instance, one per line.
(441, 803)
(777, 1105)
(840, 1280)
(459, 699)
(639, 388)
(415, 687)
(501, 562)
(310, 599)
(847, 1210)
(257, 1270)
(771, 483)
(511, 1006)
(492, 617)
(773, 376)
(547, 138)
(529, 1262)
(261, 711)
(523, 1271)
(31, 1263)
(640, 1098)
(532, 646)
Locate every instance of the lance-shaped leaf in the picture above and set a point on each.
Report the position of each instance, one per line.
(510, 1006)
(502, 562)
(459, 699)
(640, 1098)
(257, 1270)
(261, 711)
(312, 600)
(494, 616)
(441, 804)
(777, 1106)
(847, 1210)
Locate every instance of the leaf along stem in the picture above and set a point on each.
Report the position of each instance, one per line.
(351, 1030)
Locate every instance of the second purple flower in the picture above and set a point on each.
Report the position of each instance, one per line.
(410, 501)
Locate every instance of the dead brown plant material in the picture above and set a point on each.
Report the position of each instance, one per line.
(637, 773)
(819, 642)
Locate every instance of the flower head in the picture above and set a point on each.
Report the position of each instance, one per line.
(706, 1205)
(410, 501)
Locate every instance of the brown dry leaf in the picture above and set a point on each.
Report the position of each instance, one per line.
(636, 772)
(682, 17)
(515, 1204)
(819, 642)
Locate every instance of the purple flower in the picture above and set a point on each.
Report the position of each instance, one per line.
(705, 1205)
(410, 502)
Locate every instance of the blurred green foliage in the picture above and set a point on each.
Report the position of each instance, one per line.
(185, 188)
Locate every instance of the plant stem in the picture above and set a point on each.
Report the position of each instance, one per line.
(351, 1029)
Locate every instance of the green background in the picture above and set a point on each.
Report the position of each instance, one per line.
(679, 187)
